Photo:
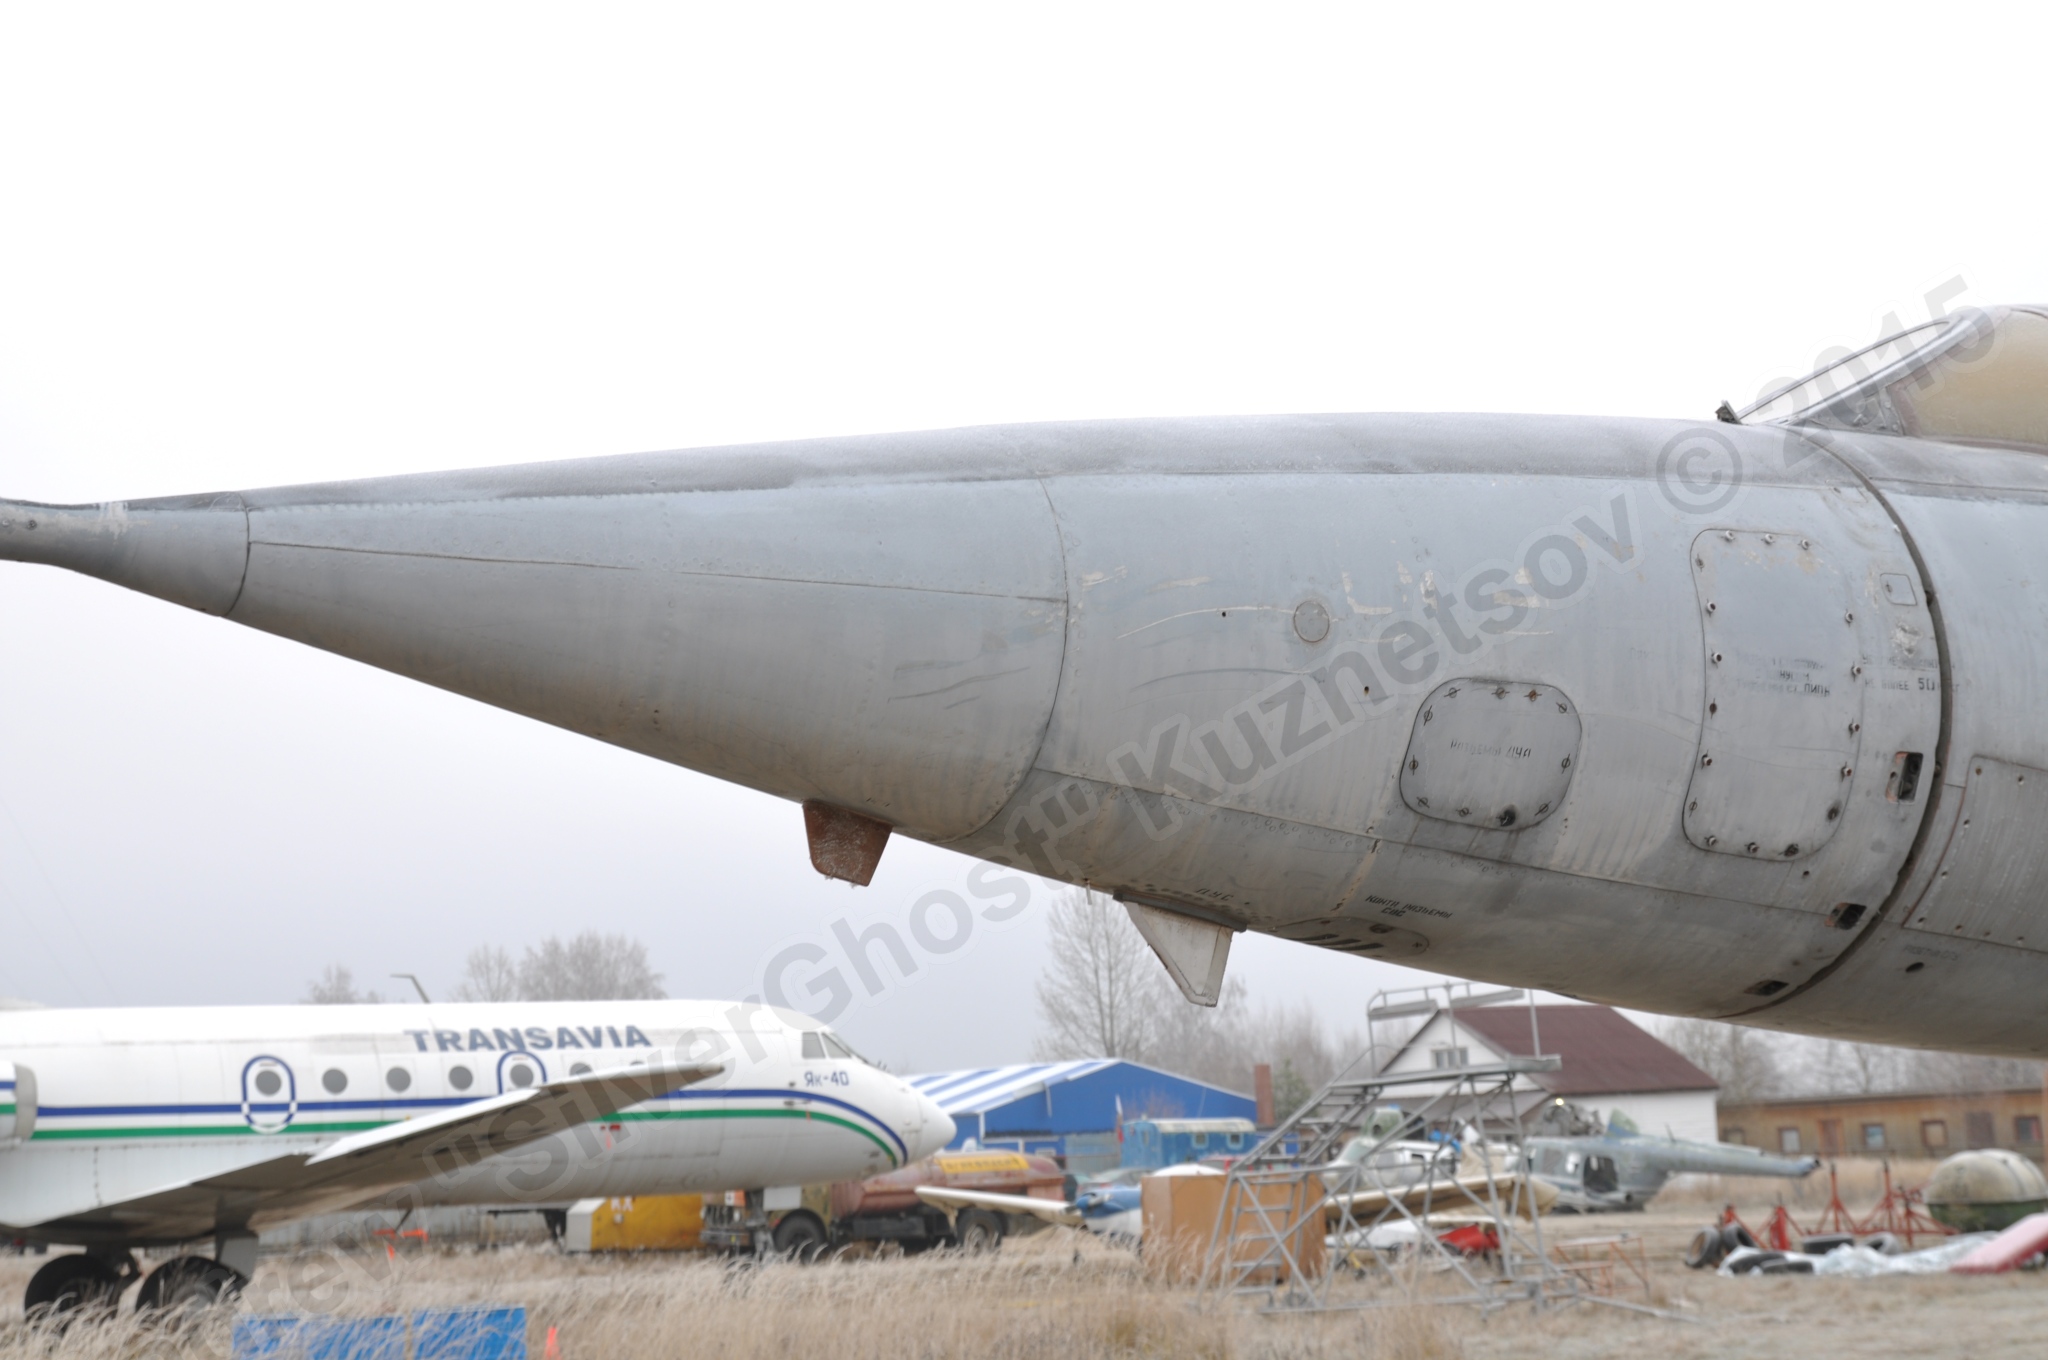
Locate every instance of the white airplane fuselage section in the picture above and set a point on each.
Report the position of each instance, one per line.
(116, 1105)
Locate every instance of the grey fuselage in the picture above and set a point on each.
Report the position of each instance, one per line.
(1625, 1171)
(1707, 720)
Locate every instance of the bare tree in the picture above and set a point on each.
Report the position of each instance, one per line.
(1104, 995)
(1747, 1063)
(1103, 992)
(336, 986)
(489, 975)
(591, 967)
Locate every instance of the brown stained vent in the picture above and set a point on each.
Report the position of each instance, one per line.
(845, 844)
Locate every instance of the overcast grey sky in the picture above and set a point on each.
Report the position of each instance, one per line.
(244, 246)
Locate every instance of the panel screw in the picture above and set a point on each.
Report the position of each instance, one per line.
(1848, 618)
(1464, 812)
(1565, 764)
(1728, 534)
(1414, 764)
(1847, 771)
(1854, 728)
(1751, 847)
(1770, 538)
(1791, 850)
(1855, 671)
(1427, 714)
(1706, 760)
(1805, 543)
(1717, 658)
(1711, 606)
(1545, 808)
(1693, 806)
(1713, 840)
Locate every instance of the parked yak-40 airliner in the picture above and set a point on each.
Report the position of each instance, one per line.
(132, 1128)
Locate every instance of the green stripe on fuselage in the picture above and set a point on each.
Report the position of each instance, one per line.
(637, 1116)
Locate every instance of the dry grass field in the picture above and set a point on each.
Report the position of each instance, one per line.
(1066, 1297)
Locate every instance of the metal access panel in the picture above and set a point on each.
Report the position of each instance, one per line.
(1784, 695)
(1491, 753)
(1994, 874)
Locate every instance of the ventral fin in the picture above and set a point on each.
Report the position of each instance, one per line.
(1195, 950)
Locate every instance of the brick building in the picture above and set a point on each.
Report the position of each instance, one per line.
(1896, 1123)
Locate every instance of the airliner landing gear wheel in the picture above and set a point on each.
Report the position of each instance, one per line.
(67, 1284)
(188, 1282)
(979, 1231)
(799, 1238)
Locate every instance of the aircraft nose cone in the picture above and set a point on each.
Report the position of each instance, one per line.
(935, 1127)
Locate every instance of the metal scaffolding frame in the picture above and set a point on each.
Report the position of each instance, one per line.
(1294, 1191)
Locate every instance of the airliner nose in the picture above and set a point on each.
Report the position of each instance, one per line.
(935, 1127)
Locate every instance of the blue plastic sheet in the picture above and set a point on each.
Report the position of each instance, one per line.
(430, 1334)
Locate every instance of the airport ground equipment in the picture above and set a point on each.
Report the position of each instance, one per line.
(1733, 717)
(982, 1198)
(1899, 1219)
(635, 1223)
(1296, 1188)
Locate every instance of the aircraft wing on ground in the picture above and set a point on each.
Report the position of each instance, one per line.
(1452, 1193)
(365, 1164)
(1051, 1210)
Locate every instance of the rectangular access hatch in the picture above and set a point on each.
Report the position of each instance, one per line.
(1784, 696)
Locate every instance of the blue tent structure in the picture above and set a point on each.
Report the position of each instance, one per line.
(1068, 1110)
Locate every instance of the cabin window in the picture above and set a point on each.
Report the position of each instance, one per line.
(2026, 1128)
(398, 1078)
(1448, 1057)
(1934, 1132)
(335, 1080)
(1201, 1140)
(1873, 1137)
(268, 1083)
(814, 1045)
(460, 1077)
(519, 1076)
(836, 1048)
(579, 1069)
(1735, 1136)
(1788, 1140)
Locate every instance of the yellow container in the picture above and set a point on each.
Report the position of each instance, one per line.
(640, 1223)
